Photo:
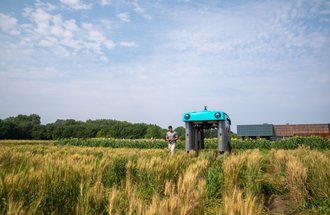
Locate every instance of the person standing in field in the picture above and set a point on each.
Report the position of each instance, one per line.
(171, 137)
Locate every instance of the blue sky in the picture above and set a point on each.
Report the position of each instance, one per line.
(150, 61)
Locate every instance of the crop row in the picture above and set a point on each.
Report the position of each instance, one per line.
(287, 143)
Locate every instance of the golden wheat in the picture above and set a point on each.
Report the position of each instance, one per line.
(51, 179)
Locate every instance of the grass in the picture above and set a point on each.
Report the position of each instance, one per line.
(48, 178)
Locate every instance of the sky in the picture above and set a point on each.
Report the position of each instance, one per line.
(150, 61)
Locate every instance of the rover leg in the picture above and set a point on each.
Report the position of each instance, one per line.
(223, 138)
(189, 136)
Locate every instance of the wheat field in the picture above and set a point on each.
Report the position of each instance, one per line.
(46, 178)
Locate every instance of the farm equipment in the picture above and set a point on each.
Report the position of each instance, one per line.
(196, 122)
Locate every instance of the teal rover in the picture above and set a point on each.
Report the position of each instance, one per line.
(196, 122)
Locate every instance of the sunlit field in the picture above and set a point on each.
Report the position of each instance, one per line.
(48, 177)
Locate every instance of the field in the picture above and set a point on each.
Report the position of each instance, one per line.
(51, 177)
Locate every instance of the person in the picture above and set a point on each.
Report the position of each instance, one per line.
(171, 137)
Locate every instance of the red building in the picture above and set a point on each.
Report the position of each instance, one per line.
(302, 130)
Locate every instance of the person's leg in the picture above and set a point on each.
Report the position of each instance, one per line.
(172, 148)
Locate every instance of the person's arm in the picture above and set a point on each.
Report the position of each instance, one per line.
(176, 137)
(166, 137)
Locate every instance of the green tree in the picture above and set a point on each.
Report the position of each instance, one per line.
(154, 131)
(29, 127)
(39, 132)
(19, 127)
(181, 132)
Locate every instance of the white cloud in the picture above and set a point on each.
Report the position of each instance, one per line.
(104, 59)
(41, 18)
(46, 28)
(141, 10)
(105, 2)
(74, 44)
(87, 26)
(109, 44)
(70, 25)
(49, 42)
(327, 11)
(128, 44)
(106, 23)
(255, 31)
(8, 24)
(96, 36)
(97, 40)
(63, 36)
(47, 6)
(124, 17)
(76, 4)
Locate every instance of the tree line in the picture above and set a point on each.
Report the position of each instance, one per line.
(30, 127)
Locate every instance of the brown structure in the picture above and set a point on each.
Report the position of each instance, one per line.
(270, 131)
(302, 130)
